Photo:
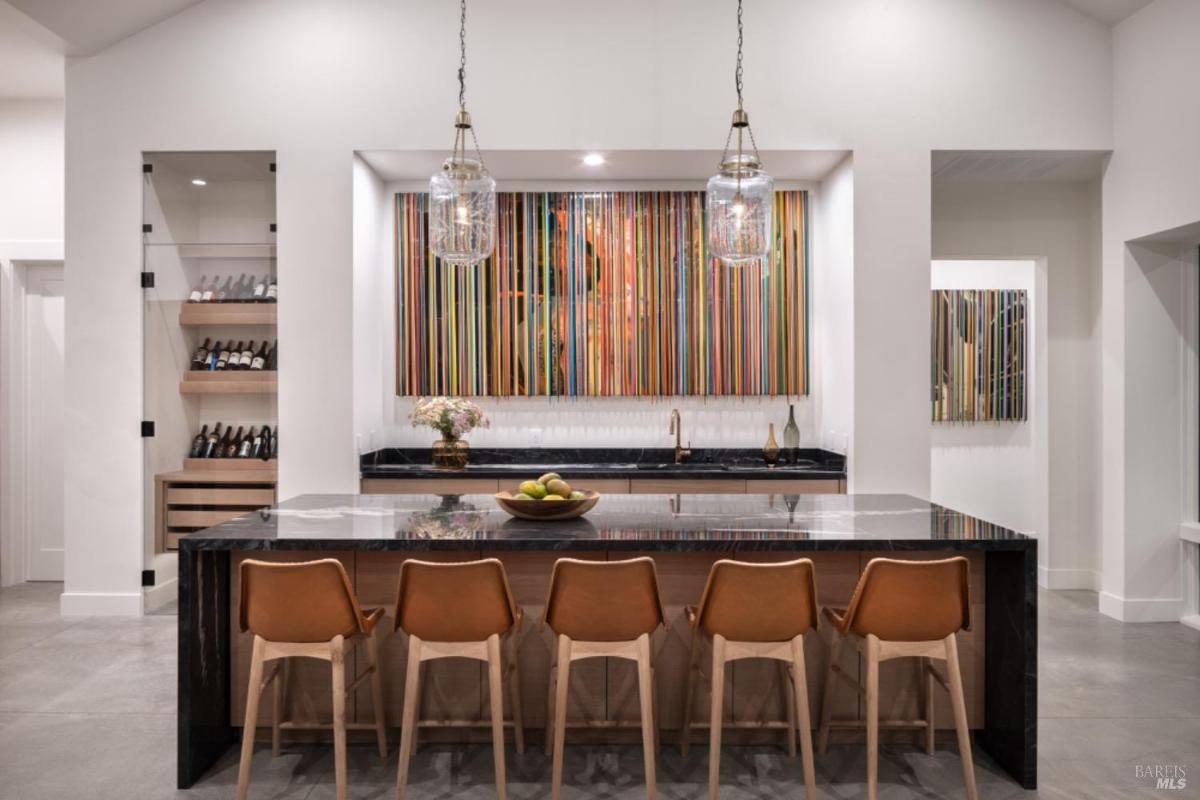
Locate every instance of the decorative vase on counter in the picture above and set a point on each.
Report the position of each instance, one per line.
(771, 448)
(451, 452)
(791, 436)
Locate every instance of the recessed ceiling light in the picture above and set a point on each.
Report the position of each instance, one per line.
(199, 182)
(593, 159)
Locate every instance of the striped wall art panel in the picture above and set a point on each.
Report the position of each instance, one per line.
(596, 294)
(979, 355)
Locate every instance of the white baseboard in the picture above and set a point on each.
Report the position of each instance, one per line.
(1141, 609)
(160, 594)
(1066, 579)
(1191, 620)
(101, 604)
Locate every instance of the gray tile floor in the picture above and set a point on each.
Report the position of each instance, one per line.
(87, 710)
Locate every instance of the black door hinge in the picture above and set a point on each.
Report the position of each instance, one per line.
(147, 168)
(272, 166)
(147, 280)
(273, 229)
(147, 428)
(147, 577)
(147, 227)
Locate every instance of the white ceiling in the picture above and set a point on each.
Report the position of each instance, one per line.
(1058, 166)
(1109, 12)
(89, 26)
(620, 165)
(31, 60)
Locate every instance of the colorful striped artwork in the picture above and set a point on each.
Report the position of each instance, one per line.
(601, 294)
(979, 355)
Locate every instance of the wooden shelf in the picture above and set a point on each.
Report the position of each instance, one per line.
(226, 251)
(199, 467)
(232, 382)
(227, 314)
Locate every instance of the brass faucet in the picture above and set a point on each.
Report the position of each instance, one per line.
(681, 452)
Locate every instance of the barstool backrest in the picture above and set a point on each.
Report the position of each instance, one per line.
(454, 602)
(309, 601)
(750, 602)
(604, 601)
(911, 601)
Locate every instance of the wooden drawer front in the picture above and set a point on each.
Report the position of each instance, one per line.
(429, 485)
(685, 486)
(830, 486)
(211, 496)
(191, 518)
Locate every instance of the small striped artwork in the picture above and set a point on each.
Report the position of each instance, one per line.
(979, 355)
(601, 294)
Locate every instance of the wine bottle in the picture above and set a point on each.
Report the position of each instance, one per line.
(210, 361)
(231, 445)
(237, 294)
(208, 293)
(197, 291)
(246, 356)
(260, 441)
(260, 359)
(225, 290)
(260, 289)
(214, 440)
(272, 357)
(272, 291)
(274, 444)
(223, 358)
(200, 357)
(246, 444)
(198, 443)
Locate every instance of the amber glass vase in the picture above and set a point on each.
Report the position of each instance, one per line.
(771, 448)
(450, 452)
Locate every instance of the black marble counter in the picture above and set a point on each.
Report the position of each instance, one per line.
(474, 525)
(581, 463)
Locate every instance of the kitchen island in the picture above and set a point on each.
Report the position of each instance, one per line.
(373, 534)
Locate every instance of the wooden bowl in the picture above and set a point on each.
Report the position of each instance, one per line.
(552, 510)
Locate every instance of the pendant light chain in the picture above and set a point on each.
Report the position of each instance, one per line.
(737, 84)
(460, 134)
(737, 73)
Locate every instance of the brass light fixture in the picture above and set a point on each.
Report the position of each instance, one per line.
(462, 196)
(740, 197)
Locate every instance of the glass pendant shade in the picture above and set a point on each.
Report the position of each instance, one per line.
(738, 205)
(462, 212)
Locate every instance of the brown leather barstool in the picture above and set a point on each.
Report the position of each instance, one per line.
(602, 608)
(904, 609)
(305, 610)
(458, 610)
(755, 611)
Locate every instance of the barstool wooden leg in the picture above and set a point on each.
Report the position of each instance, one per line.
(646, 698)
(954, 676)
(835, 652)
(550, 693)
(802, 716)
(277, 706)
(689, 694)
(927, 682)
(496, 696)
(716, 716)
(514, 693)
(253, 691)
(337, 655)
(560, 714)
(408, 716)
(377, 691)
(789, 703)
(872, 647)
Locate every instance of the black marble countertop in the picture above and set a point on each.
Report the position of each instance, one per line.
(632, 522)
(590, 462)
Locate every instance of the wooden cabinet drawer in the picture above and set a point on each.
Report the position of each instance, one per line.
(213, 496)
(823, 486)
(429, 485)
(190, 518)
(686, 486)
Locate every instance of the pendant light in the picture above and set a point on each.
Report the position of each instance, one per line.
(741, 196)
(462, 196)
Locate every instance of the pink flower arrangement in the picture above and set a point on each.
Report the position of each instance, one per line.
(451, 416)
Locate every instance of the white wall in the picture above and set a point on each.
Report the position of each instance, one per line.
(1152, 184)
(1058, 223)
(997, 470)
(832, 348)
(315, 81)
(31, 170)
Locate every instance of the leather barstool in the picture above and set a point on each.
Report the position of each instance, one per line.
(458, 610)
(602, 609)
(755, 611)
(904, 609)
(305, 610)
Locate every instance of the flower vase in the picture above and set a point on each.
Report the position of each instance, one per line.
(771, 448)
(450, 452)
